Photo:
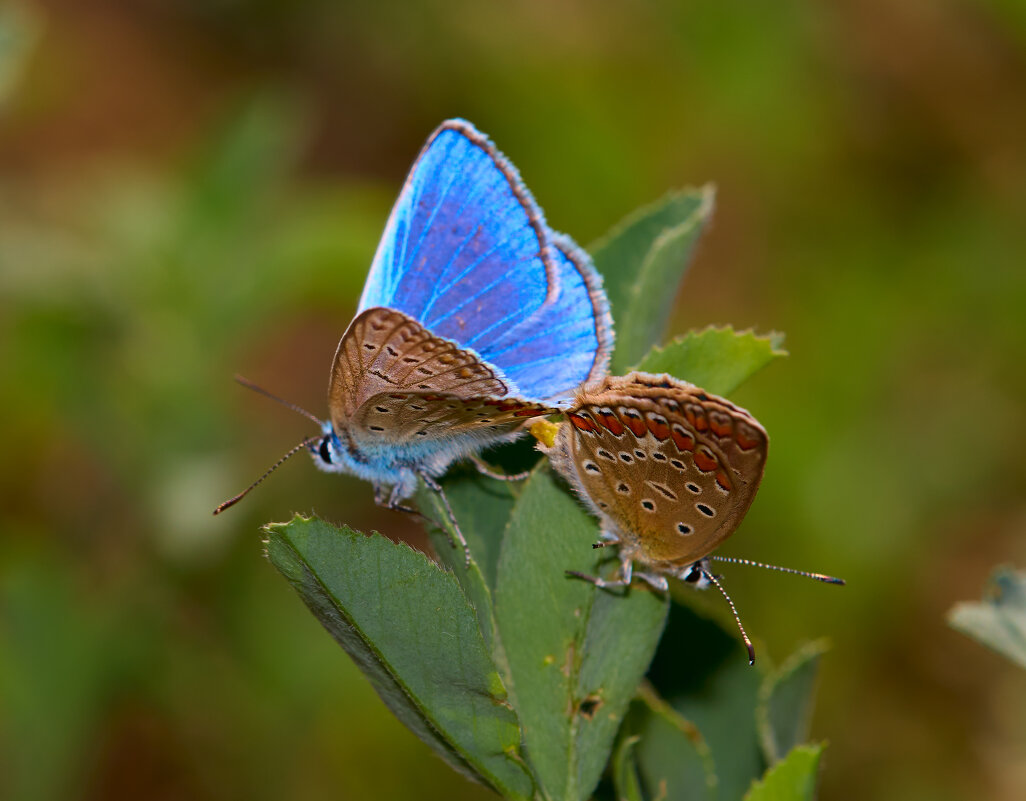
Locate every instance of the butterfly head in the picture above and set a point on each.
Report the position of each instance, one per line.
(327, 450)
(696, 574)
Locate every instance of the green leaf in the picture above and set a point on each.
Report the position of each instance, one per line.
(625, 770)
(786, 700)
(409, 628)
(702, 671)
(482, 507)
(1000, 621)
(673, 759)
(792, 779)
(575, 654)
(642, 260)
(716, 359)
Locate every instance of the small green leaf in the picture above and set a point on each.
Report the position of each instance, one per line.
(642, 260)
(625, 770)
(702, 671)
(409, 628)
(786, 700)
(791, 779)
(672, 758)
(1000, 621)
(716, 359)
(575, 653)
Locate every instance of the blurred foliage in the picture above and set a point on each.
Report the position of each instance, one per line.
(192, 189)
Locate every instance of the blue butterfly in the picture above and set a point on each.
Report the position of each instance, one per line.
(475, 317)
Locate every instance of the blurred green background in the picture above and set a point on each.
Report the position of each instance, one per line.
(189, 189)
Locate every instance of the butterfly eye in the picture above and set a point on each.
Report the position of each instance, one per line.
(694, 575)
(324, 451)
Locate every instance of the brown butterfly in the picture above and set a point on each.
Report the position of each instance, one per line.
(670, 471)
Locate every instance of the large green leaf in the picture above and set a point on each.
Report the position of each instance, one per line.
(575, 654)
(999, 622)
(408, 626)
(792, 779)
(716, 359)
(673, 760)
(642, 260)
(786, 700)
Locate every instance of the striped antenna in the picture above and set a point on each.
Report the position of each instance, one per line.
(232, 501)
(737, 618)
(818, 576)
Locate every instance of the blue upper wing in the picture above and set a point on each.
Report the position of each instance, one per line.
(466, 253)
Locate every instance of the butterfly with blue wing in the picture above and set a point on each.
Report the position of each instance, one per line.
(475, 317)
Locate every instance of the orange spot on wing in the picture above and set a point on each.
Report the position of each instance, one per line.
(705, 462)
(636, 425)
(744, 442)
(528, 412)
(682, 439)
(581, 423)
(611, 422)
(720, 424)
(722, 480)
(659, 430)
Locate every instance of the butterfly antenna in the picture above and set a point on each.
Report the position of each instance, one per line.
(250, 385)
(232, 501)
(818, 576)
(737, 618)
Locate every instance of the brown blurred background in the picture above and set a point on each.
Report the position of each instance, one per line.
(189, 189)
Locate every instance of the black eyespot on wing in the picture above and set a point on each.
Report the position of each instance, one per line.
(375, 428)
(701, 507)
(381, 409)
(623, 488)
(684, 528)
(648, 505)
(626, 457)
(659, 457)
(693, 488)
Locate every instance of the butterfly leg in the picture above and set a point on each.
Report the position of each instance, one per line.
(606, 538)
(391, 499)
(434, 486)
(486, 470)
(654, 580)
(623, 579)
